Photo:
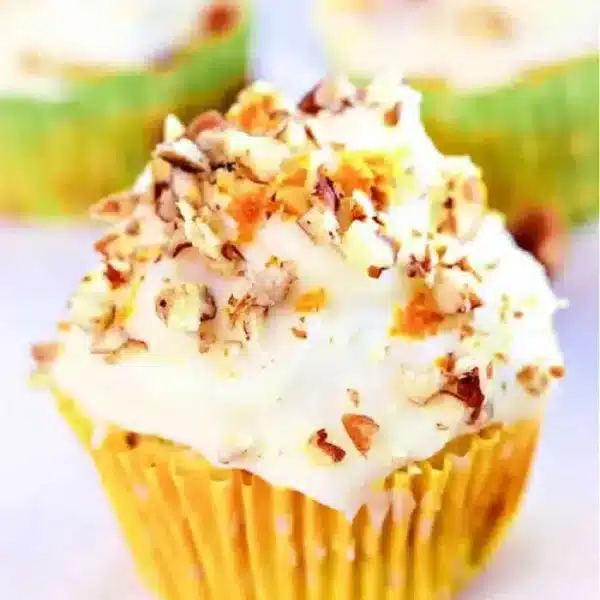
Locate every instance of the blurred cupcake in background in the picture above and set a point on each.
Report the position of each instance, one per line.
(84, 88)
(513, 84)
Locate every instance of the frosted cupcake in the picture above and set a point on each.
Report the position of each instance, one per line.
(80, 79)
(311, 363)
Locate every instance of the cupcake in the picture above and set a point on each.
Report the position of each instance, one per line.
(514, 84)
(311, 362)
(101, 78)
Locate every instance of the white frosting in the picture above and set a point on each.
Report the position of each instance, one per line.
(104, 33)
(446, 38)
(269, 399)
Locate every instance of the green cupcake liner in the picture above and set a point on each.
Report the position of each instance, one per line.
(536, 139)
(56, 158)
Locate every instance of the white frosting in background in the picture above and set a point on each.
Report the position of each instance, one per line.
(446, 38)
(102, 33)
(257, 410)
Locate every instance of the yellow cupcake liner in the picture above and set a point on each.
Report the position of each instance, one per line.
(198, 532)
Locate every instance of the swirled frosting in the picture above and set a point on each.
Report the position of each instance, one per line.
(312, 293)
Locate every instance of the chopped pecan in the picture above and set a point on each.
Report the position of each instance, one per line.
(184, 155)
(333, 452)
(184, 306)
(130, 347)
(362, 430)
(211, 119)
(299, 333)
(116, 278)
(115, 207)
(534, 379)
(467, 388)
(326, 191)
(45, 353)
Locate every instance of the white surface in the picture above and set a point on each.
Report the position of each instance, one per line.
(58, 540)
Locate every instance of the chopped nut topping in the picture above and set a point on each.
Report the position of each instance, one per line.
(454, 292)
(184, 306)
(260, 110)
(115, 207)
(361, 429)
(391, 117)
(467, 388)
(184, 155)
(91, 307)
(115, 277)
(334, 93)
(130, 348)
(364, 247)
(354, 396)
(534, 379)
(333, 452)
(320, 224)
(460, 201)
(447, 363)
(311, 301)
(272, 285)
(211, 119)
(326, 192)
(422, 267)
(299, 333)
(45, 353)
(375, 272)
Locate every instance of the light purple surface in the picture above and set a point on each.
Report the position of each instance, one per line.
(58, 540)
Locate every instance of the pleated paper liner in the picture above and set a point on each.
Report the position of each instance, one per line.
(197, 532)
(58, 157)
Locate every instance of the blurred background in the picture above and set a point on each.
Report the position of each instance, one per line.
(84, 88)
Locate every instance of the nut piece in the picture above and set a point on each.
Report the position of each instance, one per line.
(272, 285)
(534, 379)
(183, 154)
(467, 388)
(423, 267)
(332, 93)
(334, 453)
(45, 353)
(326, 192)
(455, 291)
(361, 429)
(114, 207)
(260, 109)
(364, 248)
(130, 347)
(91, 307)
(211, 119)
(459, 201)
(184, 306)
(320, 224)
